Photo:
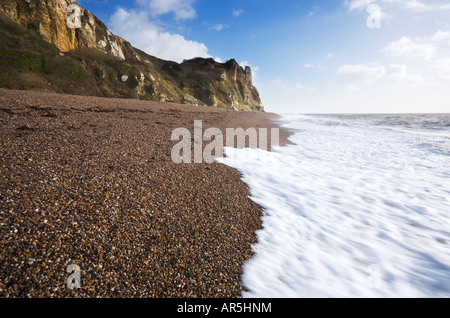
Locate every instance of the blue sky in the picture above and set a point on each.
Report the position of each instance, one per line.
(334, 56)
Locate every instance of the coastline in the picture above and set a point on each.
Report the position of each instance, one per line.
(89, 181)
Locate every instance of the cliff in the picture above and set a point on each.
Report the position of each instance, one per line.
(43, 49)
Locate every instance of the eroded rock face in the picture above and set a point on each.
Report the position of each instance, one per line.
(56, 22)
(132, 73)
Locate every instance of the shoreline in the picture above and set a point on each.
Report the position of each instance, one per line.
(89, 181)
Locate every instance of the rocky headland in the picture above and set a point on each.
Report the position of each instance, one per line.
(40, 50)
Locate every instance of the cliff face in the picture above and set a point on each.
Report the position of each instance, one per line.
(50, 19)
(109, 65)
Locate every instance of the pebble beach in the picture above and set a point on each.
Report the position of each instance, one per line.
(90, 181)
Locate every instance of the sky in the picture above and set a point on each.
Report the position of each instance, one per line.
(333, 56)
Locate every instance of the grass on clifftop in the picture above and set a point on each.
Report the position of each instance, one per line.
(29, 62)
(42, 64)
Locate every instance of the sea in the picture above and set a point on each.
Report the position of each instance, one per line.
(358, 206)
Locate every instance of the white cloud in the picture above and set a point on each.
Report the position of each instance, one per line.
(237, 13)
(183, 9)
(415, 5)
(311, 66)
(401, 73)
(219, 27)
(412, 5)
(396, 70)
(434, 67)
(440, 36)
(371, 72)
(358, 4)
(406, 46)
(363, 72)
(138, 28)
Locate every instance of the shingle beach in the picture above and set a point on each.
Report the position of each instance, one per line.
(90, 181)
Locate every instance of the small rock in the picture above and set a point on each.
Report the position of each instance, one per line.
(25, 128)
(187, 99)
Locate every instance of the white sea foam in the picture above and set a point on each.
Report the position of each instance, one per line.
(351, 210)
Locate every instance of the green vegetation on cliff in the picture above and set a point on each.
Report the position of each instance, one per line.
(29, 61)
